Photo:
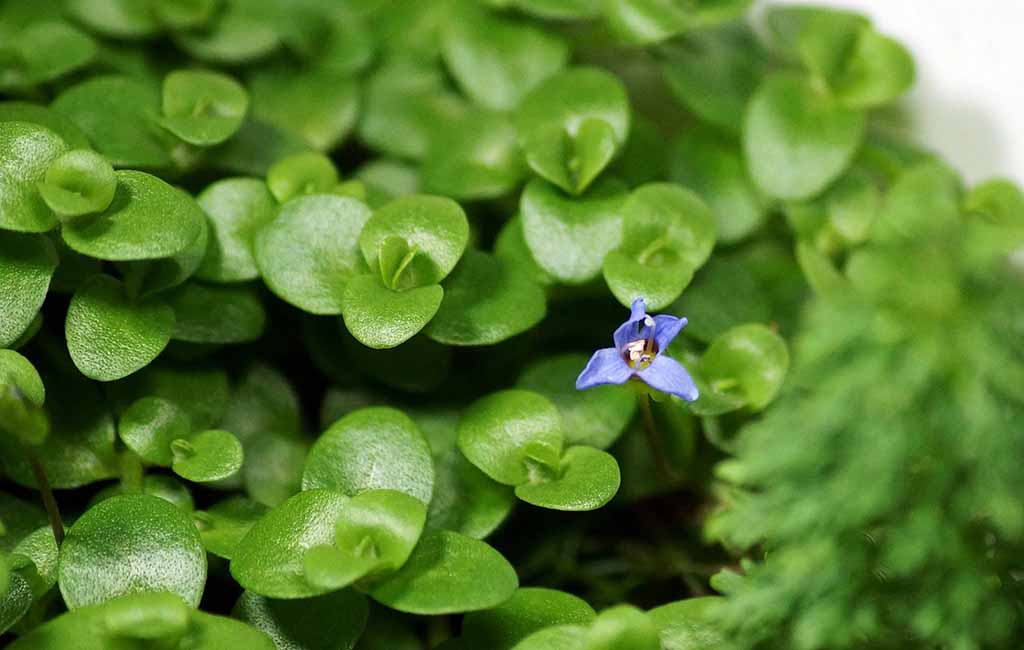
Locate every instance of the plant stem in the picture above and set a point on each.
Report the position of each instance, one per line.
(661, 463)
(49, 502)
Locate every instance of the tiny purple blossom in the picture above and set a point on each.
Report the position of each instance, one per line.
(637, 353)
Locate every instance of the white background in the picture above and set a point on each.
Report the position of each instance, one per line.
(968, 102)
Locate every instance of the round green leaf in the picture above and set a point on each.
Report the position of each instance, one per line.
(386, 180)
(268, 560)
(273, 472)
(203, 108)
(158, 485)
(877, 71)
(254, 149)
(238, 35)
(263, 402)
(148, 219)
(381, 318)
(570, 237)
(154, 276)
(371, 449)
(18, 374)
(200, 391)
(131, 544)
(587, 479)
(512, 435)
(449, 573)
(998, 201)
(16, 600)
(530, 609)
(690, 625)
(238, 208)
(207, 456)
(714, 168)
(477, 157)
(15, 111)
(308, 253)
(79, 182)
(333, 621)
(667, 233)
(485, 302)
(466, 500)
(115, 18)
(623, 626)
(223, 526)
(572, 125)
(212, 314)
(50, 49)
(185, 14)
(595, 417)
(511, 247)
(497, 60)
(35, 558)
(117, 113)
(26, 151)
(27, 262)
(748, 360)
(109, 335)
(303, 173)
(150, 425)
(326, 114)
(726, 292)
(434, 227)
(560, 637)
(797, 139)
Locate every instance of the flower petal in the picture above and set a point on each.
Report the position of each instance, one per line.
(669, 376)
(606, 367)
(665, 329)
(631, 330)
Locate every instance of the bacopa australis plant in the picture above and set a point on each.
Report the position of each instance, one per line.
(468, 324)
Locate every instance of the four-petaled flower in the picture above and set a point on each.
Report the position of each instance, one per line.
(638, 344)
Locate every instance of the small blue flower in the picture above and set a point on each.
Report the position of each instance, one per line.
(638, 343)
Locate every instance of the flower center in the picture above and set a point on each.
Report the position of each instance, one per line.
(639, 353)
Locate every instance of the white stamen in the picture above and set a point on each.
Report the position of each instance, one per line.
(648, 321)
(635, 349)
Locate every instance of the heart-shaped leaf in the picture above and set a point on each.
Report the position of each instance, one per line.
(212, 314)
(131, 544)
(485, 302)
(449, 573)
(570, 237)
(530, 609)
(27, 262)
(308, 253)
(333, 621)
(203, 108)
(878, 71)
(380, 317)
(79, 182)
(207, 456)
(269, 559)
(110, 335)
(26, 151)
(797, 139)
(587, 479)
(238, 208)
(324, 117)
(572, 125)
(309, 172)
(350, 455)
(749, 360)
(512, 435)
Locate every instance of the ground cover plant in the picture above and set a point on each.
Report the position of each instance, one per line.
(496, 325)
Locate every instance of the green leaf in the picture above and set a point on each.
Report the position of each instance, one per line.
(326, 114)
(476, 157)
(381, 318)
(998, 201)
(203, 108)
(569, 237)
(486, 301)
(623, 626)
(148, 277)
(587, 479)
(115, 18)
(273, 472)
(555, 9)
(185, 14)
(109, 335)
(15, 111)
(333, 621)
(435, 226)
(225, 523)
(376, 532)
(238, 208)
(497, 60)
(560, 637)
(35, 559)
(238, 35)
(167, 488)
(714, 168)
(798, 140)
(925, 199)
(308, 254)
(254, 149)
(213, 314)
(371, 449)
(594, 417)
(572, 125)
(131, 544)
(207, 456)
(667, 234)
(690, 625)
(26, 151)
(449, 573)
(148, 219)
(51, 49)
(386, 180)
(79, 182)
(15, 602)
(725, 292)
(465, 500)
(748, 360)
(511, 247)
(200, 391)
(150, 425)
(27, 262)
(117, 115)
(512, 435)
(879, 70)
(268, 560)
(530, 609)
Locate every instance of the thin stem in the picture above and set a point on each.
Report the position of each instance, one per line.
(657, 449)
(49, 502)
